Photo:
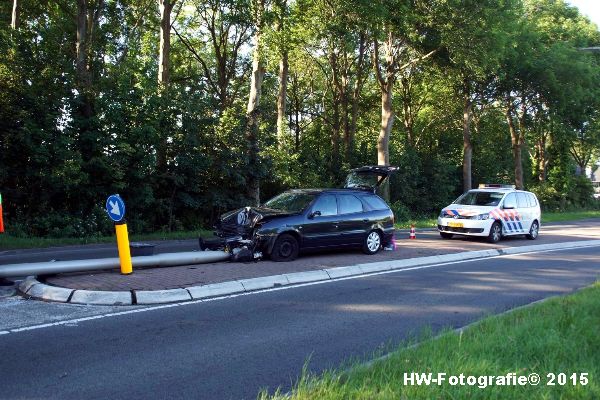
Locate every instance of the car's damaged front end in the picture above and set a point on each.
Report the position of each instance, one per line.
(244, 232)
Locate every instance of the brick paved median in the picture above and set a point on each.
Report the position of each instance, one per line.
(427, 244)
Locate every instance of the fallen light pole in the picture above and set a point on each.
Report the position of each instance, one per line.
(159, 260)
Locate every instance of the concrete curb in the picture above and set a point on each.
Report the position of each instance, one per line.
(105, 298)
(32, 288)
(49, 293)
(215, 289)
(162, 296)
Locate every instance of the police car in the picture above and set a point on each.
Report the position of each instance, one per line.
(492, 211)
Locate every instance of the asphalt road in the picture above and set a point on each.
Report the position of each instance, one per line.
(231, 348)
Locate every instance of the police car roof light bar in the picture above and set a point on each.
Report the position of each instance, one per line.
(495, 186)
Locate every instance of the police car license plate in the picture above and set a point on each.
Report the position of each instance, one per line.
(455, 224)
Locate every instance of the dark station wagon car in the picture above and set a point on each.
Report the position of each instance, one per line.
(302, 219)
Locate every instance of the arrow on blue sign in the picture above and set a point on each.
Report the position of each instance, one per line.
(115, 207)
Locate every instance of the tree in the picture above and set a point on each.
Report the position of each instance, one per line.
(474, 35)
(165, 8)
(15, 15)
(399, 53)
(221, 29)
(586, 144)
(282, 29)
(545, 72)
(335, 40)
(253, 111)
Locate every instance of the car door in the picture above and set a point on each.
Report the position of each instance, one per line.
(524, 212)
(510, 221)
(353, 222)
(321, 228)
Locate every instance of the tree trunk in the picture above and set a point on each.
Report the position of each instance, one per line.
(82, 43)
(353, 122)
(15, 15)
(297, 131)
(516, 143)
(387, 122)
(336, 98)
(467, 145)
(86, 19)
(283, 75)
(386, 85)
(541, 158)
(358, 84)
(165, 7)
(383, 141)
(253, 112)
(335, 135)
(408, 112)
(282, 99)
(164, 50)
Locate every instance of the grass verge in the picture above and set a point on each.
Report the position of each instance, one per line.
(557, 336)
(10, 242)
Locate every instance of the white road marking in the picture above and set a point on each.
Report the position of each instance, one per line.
(232, 296)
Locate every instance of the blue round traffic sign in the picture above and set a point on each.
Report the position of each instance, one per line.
(115, 207)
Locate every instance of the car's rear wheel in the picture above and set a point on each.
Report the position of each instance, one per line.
(495, 233)
(534, 231)
(446, 235)
(286, 248)
(372, 242)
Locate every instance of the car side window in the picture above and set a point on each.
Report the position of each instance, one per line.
(532, 200)
(326, 205)
(522, 200)
(349, 204)
(510, 201)
(375, 202)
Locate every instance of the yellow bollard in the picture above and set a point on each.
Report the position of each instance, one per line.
(123, 245)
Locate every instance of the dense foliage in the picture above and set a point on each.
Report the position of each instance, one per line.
(91, 103)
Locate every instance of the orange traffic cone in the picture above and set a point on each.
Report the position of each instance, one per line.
(412, 232)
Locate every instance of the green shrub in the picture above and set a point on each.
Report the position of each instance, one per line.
(548, 196)
(576, 194)
(401, 212)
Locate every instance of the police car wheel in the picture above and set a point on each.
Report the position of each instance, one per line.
(446, 235)
(495, 233)
(533, 231)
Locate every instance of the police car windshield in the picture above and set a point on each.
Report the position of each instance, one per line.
(475, 198)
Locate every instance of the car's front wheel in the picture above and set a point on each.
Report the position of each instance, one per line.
(495, 233)
(286, 248)
(533, 231)
(372, 242)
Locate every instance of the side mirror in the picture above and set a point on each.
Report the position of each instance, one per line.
(314, 214)
(509, 206)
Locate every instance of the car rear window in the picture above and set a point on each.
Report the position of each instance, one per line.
(375, 202)
(532, 200)
(349, 204)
